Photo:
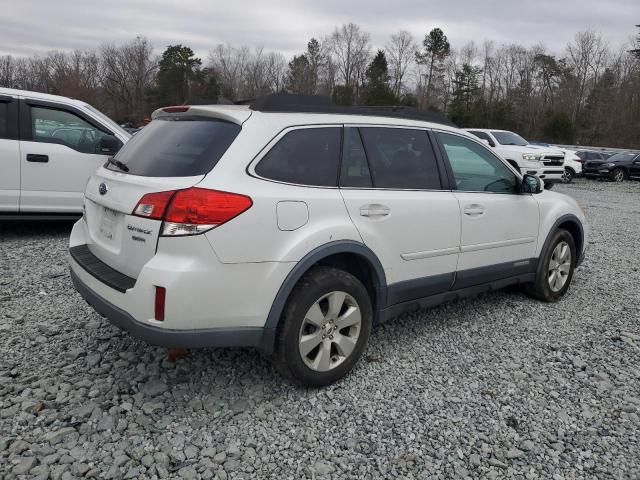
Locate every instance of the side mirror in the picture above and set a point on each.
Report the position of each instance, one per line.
(109, 145)
(532, 184)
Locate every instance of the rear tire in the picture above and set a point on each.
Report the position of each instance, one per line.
(324, 328)
(555, 268)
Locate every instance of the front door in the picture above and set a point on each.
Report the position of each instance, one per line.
(499, 224)
(392, 188)
(634, 171)
(57, 158)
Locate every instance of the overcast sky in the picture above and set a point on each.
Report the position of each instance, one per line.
(38, 26)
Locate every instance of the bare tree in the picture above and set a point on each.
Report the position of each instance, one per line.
(350, 47)
(400, 51)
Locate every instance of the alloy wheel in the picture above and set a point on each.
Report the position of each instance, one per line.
(330, 331)
(559, 266)
(618, 176)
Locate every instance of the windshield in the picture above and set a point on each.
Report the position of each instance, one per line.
(113, 125)
(622, 157)
(510, 138)
(176, 147)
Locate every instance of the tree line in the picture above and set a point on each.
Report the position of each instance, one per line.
(589, 94)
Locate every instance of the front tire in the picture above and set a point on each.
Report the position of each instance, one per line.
(324, 328)
(568, 176)
(555, 268)
(618, 175)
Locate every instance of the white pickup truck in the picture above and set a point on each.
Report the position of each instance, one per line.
(545, 162)
(49, 147)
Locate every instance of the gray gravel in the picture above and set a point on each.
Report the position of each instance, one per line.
(499, 386)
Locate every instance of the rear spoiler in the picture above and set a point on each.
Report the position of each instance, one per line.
(230, 113)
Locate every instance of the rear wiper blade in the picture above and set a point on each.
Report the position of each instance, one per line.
(118, 164)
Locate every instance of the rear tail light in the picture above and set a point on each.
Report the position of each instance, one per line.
(153, 205)
(192, 211)
(161, 295)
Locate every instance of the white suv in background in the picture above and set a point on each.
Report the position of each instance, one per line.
(545, 162)
(292, 226)
(49, 147)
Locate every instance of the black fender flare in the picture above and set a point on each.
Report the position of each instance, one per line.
(567, 218)
(310, 259)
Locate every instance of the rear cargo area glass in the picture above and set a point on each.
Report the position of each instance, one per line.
(177, 147)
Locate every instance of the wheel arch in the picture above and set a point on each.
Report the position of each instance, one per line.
(573, 225)
(348, 255)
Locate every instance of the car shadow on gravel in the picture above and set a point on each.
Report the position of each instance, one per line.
(33, 229)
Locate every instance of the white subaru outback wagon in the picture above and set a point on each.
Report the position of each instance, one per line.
(292, 226)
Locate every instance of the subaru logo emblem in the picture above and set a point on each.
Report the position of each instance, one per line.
(103, 188)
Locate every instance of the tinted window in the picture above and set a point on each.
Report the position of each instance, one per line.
(483, 136)
(355, 169)
(308, 156)
(51, 125)
(401, 158)
(177, 147)
(622, 157)
(509, 138)
(475, 169)
(4, 119)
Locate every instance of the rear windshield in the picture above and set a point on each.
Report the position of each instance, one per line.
(177, 147)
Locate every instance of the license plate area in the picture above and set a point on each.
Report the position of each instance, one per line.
(109, 223)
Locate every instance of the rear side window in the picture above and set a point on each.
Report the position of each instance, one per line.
(308, 156)
(401, 158)
(177, 147)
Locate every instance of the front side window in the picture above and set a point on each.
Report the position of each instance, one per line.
(509, 138)
(51, 125)
(306, 156)
(475, 169)
(483, 136)
(400, 158)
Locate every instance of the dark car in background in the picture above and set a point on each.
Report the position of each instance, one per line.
(590, 155)
(617, 168)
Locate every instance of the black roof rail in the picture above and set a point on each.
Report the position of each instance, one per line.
(295, 103)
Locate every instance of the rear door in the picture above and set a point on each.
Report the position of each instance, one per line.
(9, 155)
(393, 188)
(59, 150)
(167, 155)
(499, 224)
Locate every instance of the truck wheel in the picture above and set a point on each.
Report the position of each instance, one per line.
(324, 328)
(555, 268)
(568, 176)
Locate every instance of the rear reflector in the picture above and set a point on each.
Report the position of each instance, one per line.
(191, 211)
(161, 294)
(175, 109)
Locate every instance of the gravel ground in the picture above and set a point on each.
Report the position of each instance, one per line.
(493, 387)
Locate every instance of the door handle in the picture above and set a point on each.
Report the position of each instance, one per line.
(474, 210)
(32, 157)
(374, 210)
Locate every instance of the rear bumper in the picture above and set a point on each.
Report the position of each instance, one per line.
(214, 337)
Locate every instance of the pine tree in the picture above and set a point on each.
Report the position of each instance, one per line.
(436, 49)
(377, 90)
(466, 93)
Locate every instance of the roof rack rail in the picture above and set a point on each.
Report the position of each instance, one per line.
(295, 103)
